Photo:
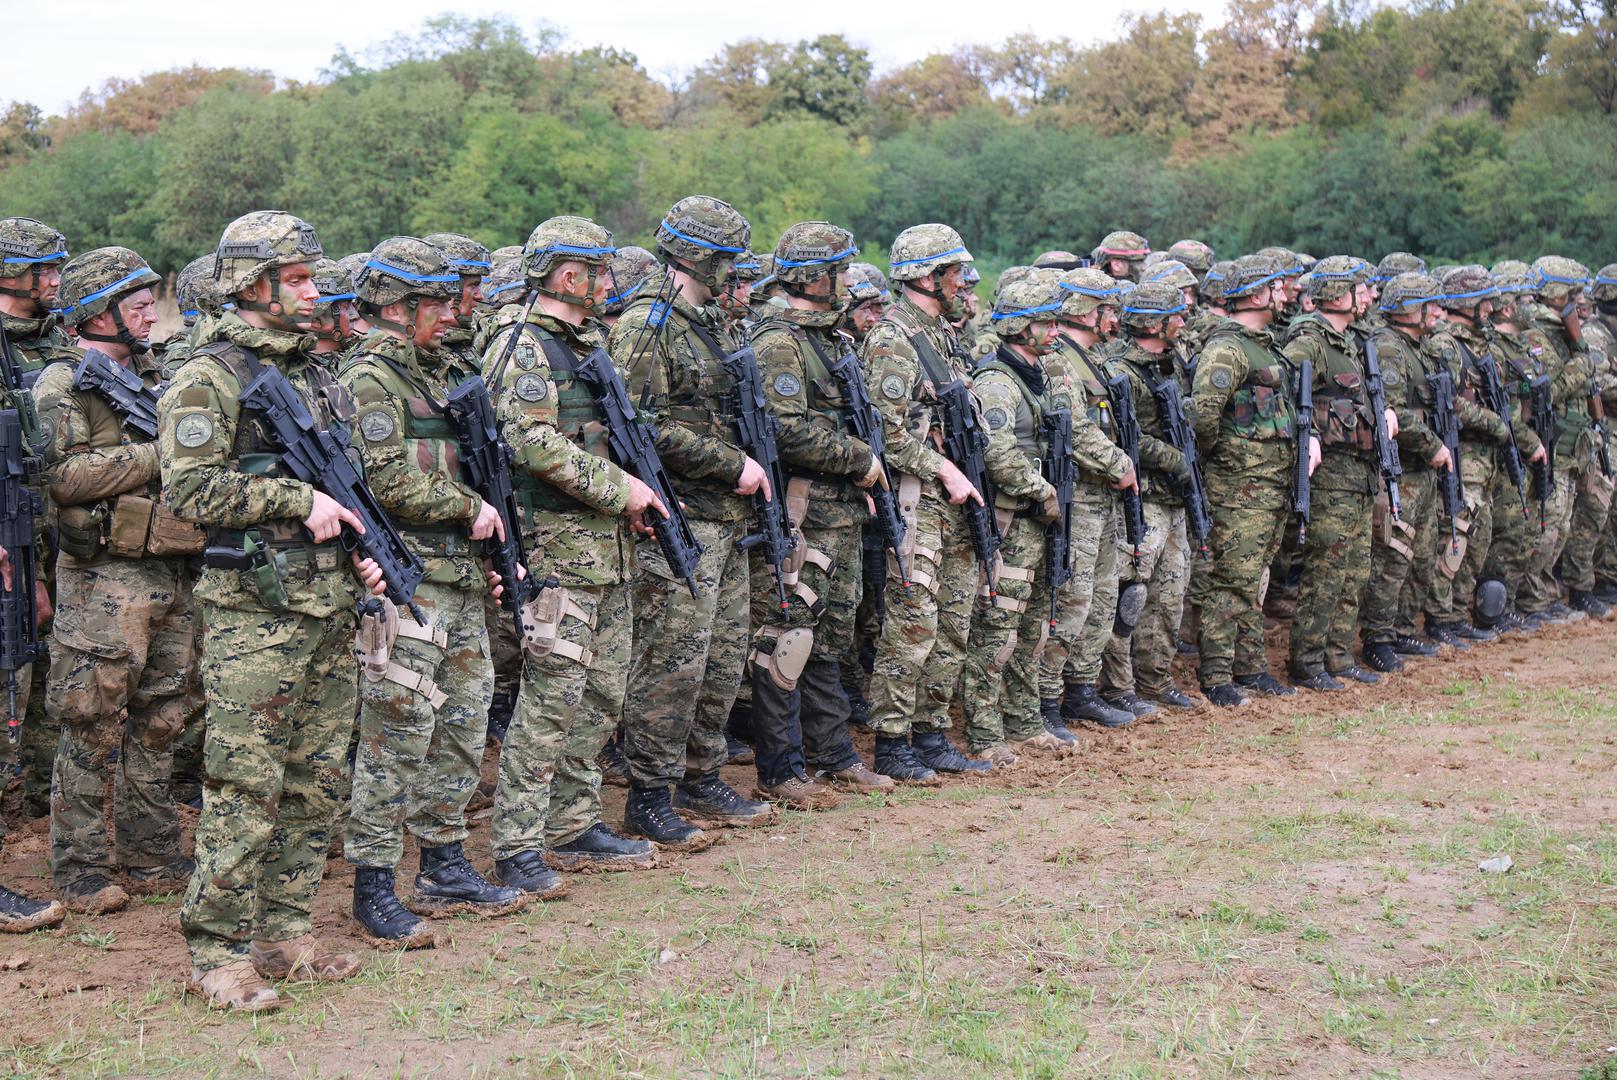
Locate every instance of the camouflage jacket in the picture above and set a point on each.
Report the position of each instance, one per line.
(902, 389)
(1404, 367)
(1161, 463)
(572, 495)
(1101, 461)
(411, 453)
(1242, 409)
(35, 343)
(1600, 337)
(1570, 374)
(671, 354)
(1478, 423)
(219, 469)
(1342, 416)
(795, 349)
(1015, 398)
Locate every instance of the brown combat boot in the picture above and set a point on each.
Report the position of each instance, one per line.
(235, 987)
(859, 779)
(301, 959)
(798, 793)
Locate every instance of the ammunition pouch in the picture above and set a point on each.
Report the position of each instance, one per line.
(128, 526)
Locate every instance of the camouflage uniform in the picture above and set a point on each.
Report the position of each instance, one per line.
(688, 651)
(572, 495)
(1600, 333)
(278, 673)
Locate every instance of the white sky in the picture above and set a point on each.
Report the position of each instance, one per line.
(59, 49)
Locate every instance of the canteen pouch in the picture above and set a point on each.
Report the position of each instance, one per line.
(79, 530)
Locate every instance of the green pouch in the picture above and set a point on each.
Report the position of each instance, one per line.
(269, 572)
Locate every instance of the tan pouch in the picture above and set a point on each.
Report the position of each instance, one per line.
(909, 498)
(373, 642)
(129, 525)
(797, 500)
(541, 626)
(174, 536)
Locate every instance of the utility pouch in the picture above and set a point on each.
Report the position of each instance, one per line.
(79, 530)
(268, 571)
(128, 526)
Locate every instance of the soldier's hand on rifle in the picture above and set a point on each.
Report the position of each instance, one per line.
(1539, 455)
(5, 567)
(328, 517)
(496, 584)
(1051, 509)
(874, 475)
(370, 574)
(1129, 480)
(753, 479)
(641, 499)
(488, 523)
(958, 487)
(1313, 454)
(1441, 460)
(1392, 424)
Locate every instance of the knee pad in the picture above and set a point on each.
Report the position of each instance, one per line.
(1130, 602)
(1490, 600)
(785, 663)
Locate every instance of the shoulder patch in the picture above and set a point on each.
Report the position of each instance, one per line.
(786, 384)
(193, 430)
(376, 425)
(892, 388)
(525, 358)
(531, 388)
(1391, 376)
(1220, 377)
(996, 418)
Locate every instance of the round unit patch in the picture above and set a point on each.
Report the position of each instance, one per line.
(996, 418)
(376, 425)
(531, 388)
(892, 388)
(193, 430)
(1220, 378)
(786, 384)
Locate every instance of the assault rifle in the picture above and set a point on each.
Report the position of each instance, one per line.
(1597, 428)
(1171, 408)
(1541, 418)
(123, 390)
(486, 459)
(19, 504)
(1446, 426)
(758, 431)
(324, 458)
(1494, 396)
(17, 387)
(1302, 492)
(1375, 388)
(965, 443)
(1120, 391)
(1062, 472)
(866, 424)
(634, 445)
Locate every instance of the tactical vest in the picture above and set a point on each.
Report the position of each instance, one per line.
(1031, 438)
(714, 383)
(1097, 401)
(256, 452)
(578, 416)
(825, 409)
(1342, 418)
(1261, 408)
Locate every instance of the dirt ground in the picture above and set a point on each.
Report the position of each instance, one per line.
(1289, 889)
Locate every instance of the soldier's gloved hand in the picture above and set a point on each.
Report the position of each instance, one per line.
(641, 499)
(1539, 455)
(1392, 424)
(1050, 510)
(369, 574)
(1313, 454)
(958, 487)
(753, 479)
(327, 518)
(1440, 460)
(1129, 480)
(874, 475)
(488, 523)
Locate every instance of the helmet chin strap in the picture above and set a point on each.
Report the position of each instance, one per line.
(587, 300)
(122, 337)
(411, 303)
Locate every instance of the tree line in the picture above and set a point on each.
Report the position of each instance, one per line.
(1464, 130)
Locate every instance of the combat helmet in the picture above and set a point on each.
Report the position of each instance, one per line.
(1215, 280)
(1410, 289)
(24, 244)
(703, 236)
(1060, 260)
(1032, 298)
(1122, 244)
(865, 283)
(404, 270)
(1195, 255)
(466, 256)
(566, 238)
(1397, 262)
(94, 282)
(1248, 274)
(1557, 278)
(809, 251)
(1603, 289)
(1150, 303)
(1336, 276)
(336, 288)
(924, 249)
(632, 267)
(196, 291)
(1085, 289)
(1173, 272)
(1464, 287)
(256, 243)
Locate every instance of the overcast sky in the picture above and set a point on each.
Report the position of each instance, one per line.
(58, 49)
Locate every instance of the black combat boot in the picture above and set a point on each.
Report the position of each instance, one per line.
(20, 914)
(1357, 674)
(858, 707)
(1383, 657)
(1050, 713)
(448, 882)
(599, 848)
(1606, 591)
(1131, 701)
(378, 911)
(1175, 698)
(501, 707)
(1446, 634)
(613, 765)
(1590, 604)
(937, 753)
(1404, 645)
(649, 813)
(896, 758)
(1265, 684)
(1472, 632)
(708, 800)
(526, 870)
(1083, 703)
(1319, 682)
(1224, 695)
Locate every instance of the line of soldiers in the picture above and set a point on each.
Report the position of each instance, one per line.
(663, 510)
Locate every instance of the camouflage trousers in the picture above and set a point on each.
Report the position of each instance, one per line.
(1590, 511)
(1606, 553)
(281, 691)
(1244, 541)
(505, 648)
(1507, 553)
(1087, 603)
(1336, 564)
(1545, 541)
(570, 700)
(11, 754)
(1401, 570)
(1459, 565)
(420, 754)
(688, 654)
(36, 751)
(1145, 658)
(923, 643)
(1000, 684)
(124, 647)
